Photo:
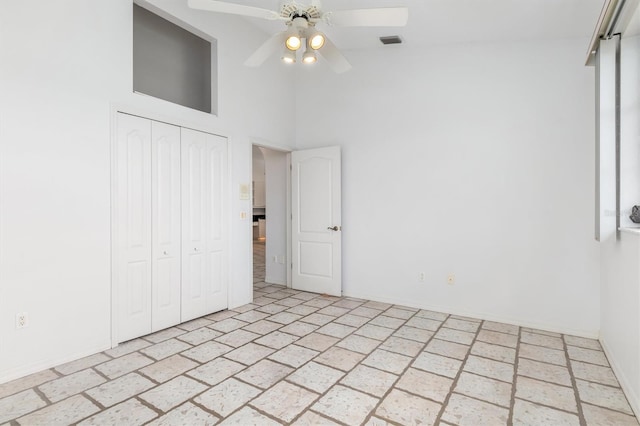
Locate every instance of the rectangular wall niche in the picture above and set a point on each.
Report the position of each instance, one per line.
(172, 63)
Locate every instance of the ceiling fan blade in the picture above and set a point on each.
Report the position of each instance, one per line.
(334, 57)
(267, 49)
(232, 8)
(379, 17)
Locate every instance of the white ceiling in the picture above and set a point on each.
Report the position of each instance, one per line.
(438, 22)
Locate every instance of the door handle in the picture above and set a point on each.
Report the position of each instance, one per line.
(334, 228)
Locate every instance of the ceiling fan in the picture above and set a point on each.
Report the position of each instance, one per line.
(301, 23)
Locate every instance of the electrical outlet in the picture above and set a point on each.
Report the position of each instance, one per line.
(22, 320)
(451, 279)
(421, 277)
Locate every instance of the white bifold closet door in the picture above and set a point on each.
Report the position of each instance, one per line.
(204, 271)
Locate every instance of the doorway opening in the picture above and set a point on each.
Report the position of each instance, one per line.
(270, 226)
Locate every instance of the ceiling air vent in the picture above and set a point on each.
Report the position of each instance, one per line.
(391, 40)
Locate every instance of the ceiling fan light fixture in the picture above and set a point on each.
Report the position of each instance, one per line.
(309, 57)
(316, 41)
(293, 42)
(289, 56)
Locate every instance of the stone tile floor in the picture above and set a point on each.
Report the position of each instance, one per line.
(299, 358)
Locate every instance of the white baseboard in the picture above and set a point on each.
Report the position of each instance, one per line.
(25, 370)
(630, 393)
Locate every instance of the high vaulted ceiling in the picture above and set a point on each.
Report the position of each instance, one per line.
(439, 22)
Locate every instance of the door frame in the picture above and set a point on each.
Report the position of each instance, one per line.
(175, 119)
(260, 143)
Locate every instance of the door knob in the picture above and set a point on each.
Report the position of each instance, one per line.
(334, 228)
(165, 253)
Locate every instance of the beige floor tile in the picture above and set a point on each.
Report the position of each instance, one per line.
(602, 417)
(249, 416)
(424, 323)
(526, 413)
(221, 316)
(195, 324)
(173, 393)
(346, 405)
(402, 346)
(500, 327)
(131, 412)
(399, 313)
(456, 336)
(168, 368)
(460, 317)
(374, 331)
(543, 371)
(387, 361)
(304, 296)
(438, 316)
(264, 374)
(377, 305)
(186, 414)
(489, 368)
(349, 304)
(285, 318)
(24, 383)
(334, 311)
(230, 324)
(340, 358)
(541, 340)
(603, 396)
(120, 389)
(20, 404)
(216, 371)
(406, 409)
(458, 324)
(369, 380)
(539, 353)
(496, 352)
(465, 411)
(72, 384)
(277, 339)
(207, 351)
(497, 338)
(284, 401)
(318, 303)
(249, 353)
(309, 418)
(263, 327)
(289, 302)
(165, 349)
(583, 342)
(437, 364)
(237, 338)
(587, 355)
(546, 393)
(302, 310)
(336, 330)
(364, 311)
(66, 412)
(227, 396)
(199, 336)
(544, 332)
(163, 335)
(412, 333)
(317, 342)
(123, 365)
(484, 388)
(446, 348)
(376, 421)
(594, 373)
(385, 321)
(294, 355)
(352, 320)
(82, 363)
(425, 384)
(318, 319)
(299, 328)
(361, 344)
(316, 377)
(127, 348)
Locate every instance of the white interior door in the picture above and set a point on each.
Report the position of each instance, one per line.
(204, 274)
(134, 226)
(316, 221)
(165, 164)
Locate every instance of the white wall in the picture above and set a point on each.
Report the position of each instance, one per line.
(66, 66)
(276, 194)
(475, 160)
